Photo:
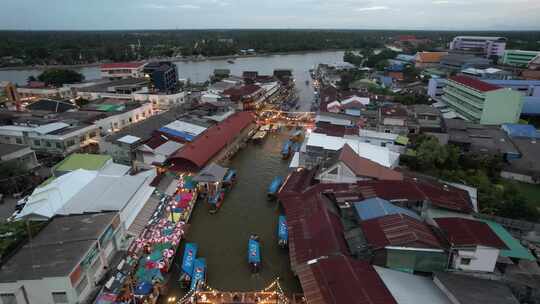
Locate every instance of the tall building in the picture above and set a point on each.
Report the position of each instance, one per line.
(486, 46)
(482, 102)
(519, 57)
(163, 76)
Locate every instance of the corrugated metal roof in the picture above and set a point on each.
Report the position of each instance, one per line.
(474, 83)
(376, 207)
(465, 232)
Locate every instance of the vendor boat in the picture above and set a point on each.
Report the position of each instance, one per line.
(188, 261)
(199, 273)
(216, 201)
(229, 179)
(286, 149)
(273, 189)
(283, 231)
(254, 253)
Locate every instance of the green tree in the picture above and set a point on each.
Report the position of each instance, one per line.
(58, 77)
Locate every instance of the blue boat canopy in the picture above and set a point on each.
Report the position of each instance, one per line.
(190, 254)
(283, 230)
(286, 147)
(199, 272)
(229, 176)
(143, 288)
(275, 184)
(254, 251)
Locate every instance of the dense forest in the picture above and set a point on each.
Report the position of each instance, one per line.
(81, 47)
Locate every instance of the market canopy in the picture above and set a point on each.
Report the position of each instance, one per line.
(211, 173)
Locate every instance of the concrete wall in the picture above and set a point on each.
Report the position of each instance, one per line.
(117, 122)
(501, 106)
(482, 259)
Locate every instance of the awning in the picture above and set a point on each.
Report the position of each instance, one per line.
(211, 173)
(142, 218)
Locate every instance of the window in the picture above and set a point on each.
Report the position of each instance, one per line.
(58, 146)
(8, 298)
(465, 261)
(37, 142)
(18, 141)
(383, 144)
(82, 285)
(82, 138)
(69, 143)
(59, 297)
(48, 144)
(130, 119)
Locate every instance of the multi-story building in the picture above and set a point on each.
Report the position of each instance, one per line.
(163, 76)
(118, 70)
(480, 45)
(38, 91)
(482, 102)
(435, 87)
(64, 262)
(518, 57)
(20, 155)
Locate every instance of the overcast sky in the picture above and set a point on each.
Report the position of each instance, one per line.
(196, 14)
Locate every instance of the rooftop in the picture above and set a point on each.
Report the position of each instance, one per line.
(364, 167)
(58, 248)
(375, 207)
(475, 84)
(466, 232)
(82, 161)
(121, 65)
(399, 230)
(6, 149)
(515, 249)
(430, 57)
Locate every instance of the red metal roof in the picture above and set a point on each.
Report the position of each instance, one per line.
(195, 155)
(329, 129)
(121, 65)
(399, 230)
(245, 90)
(340, 279)
(474, 83)
(466, 232)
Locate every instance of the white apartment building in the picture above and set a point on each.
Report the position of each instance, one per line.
(487, 46)
(119, 70)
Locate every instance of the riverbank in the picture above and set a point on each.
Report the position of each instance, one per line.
(174, 59)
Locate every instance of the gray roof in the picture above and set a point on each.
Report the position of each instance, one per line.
(145, 128)
(57, 249)
(529, 163)
(211, 173)
(481, 138)
(105, 86)
(6, 149)
(470, 290)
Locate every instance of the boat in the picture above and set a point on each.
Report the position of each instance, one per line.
(190, 253)
(274, 187)
(259, 136)
(199, 273)
(283, 231)
(254, 253)
(286, 149)
(216, 201)
(229, 179)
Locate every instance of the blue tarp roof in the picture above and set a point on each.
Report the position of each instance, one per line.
(254, 253)
(531, 105)
(283, 230)
(190, 253)
(376, 207)
(184, 135)
(198, 272)
(520, 130)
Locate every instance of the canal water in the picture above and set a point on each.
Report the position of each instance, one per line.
(200, 71)
(223, 237)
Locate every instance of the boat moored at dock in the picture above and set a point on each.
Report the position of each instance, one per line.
(254, 253)
(274, 187)
(188, 262)
(286, 149)
(283, 231)
(229, 179)
(199, 273)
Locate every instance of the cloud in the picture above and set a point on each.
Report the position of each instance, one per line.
(188, 6)
(154, 6)
(371, 8)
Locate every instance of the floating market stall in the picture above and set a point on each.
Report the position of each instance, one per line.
(210, 181)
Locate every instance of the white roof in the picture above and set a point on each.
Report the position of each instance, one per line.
(333, 120)
(186, 127)
(378, 154)
(82, 191)
(14, 130)
(411, 289)
(219, 117)
(375, 134)
(114, 169)
(129, 139)
(48, 128)
(362, 100)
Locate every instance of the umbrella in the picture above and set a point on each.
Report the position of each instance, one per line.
(143, 288)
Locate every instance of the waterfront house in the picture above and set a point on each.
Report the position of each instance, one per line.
(247, 97)
(64, 262)
(348, 167)
(119, 70)
(405, 243)
(473, 245)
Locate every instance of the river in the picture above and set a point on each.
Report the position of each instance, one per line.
(199, 71)
(223, 237)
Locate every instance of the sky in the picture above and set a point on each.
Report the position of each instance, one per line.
(206, 14)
